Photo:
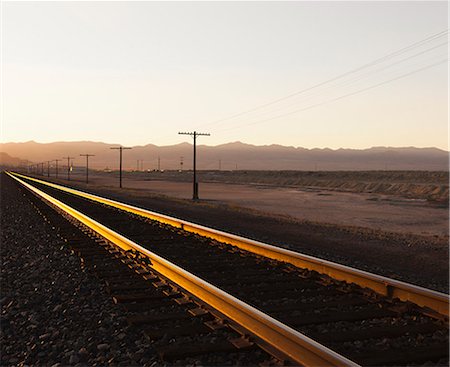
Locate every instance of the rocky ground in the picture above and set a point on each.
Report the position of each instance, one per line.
(54, 313)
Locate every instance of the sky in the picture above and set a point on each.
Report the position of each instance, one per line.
(319, 74)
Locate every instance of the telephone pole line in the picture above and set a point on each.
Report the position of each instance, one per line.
(120, 165)
(195, 183)
(87, 165)
(48, 168)
(139, 165)
(68, 166)
(57, 160)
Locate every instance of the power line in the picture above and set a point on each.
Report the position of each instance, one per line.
(341, 97)
(356, 79)
(372, 63)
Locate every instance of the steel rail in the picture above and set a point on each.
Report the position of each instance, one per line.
(391, 288)
(296, 346)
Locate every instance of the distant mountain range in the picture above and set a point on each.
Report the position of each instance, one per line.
(230, 156)
(8, 161)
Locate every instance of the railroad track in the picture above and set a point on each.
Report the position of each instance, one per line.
(238, 295)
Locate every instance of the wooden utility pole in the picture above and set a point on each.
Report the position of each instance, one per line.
(120, 164)
(56, 172)
(87, 165)
(68, 166)
(195, 184)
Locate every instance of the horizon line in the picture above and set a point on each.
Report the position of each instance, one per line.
(230, 143)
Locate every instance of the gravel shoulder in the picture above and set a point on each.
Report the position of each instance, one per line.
(416, 259)
(53, 311)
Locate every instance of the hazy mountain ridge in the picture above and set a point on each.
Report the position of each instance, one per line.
(233, 155)
(7, 161)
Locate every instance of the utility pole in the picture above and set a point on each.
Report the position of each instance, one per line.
(159, 164)
(68, 166)
(42, 169)
(48, 168)
(139, 165)
(120, 165)
(181, 164)
(87, 165)
(220, 164)
(195, 184)
(56, 172)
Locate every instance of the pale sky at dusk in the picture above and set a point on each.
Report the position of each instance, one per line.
(135, 73)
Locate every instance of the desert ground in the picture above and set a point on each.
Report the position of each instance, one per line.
(404, 202)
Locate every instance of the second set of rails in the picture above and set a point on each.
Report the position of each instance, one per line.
(328, 320)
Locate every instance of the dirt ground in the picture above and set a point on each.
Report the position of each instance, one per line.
(369, 210)
(425, 185)
(385, 234)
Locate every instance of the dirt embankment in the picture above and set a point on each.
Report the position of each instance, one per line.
(421, 185)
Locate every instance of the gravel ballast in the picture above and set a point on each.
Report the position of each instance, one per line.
(53, 312)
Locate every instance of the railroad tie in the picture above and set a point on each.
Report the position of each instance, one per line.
(148, 305)
(137, 297)
(150, 319)
(336, 316)
(173, 352)
(402, 357)
(375, 332)
(172, 332)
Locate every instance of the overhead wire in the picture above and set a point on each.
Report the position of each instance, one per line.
(352, 81)
(341, 97)
(340, 76)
